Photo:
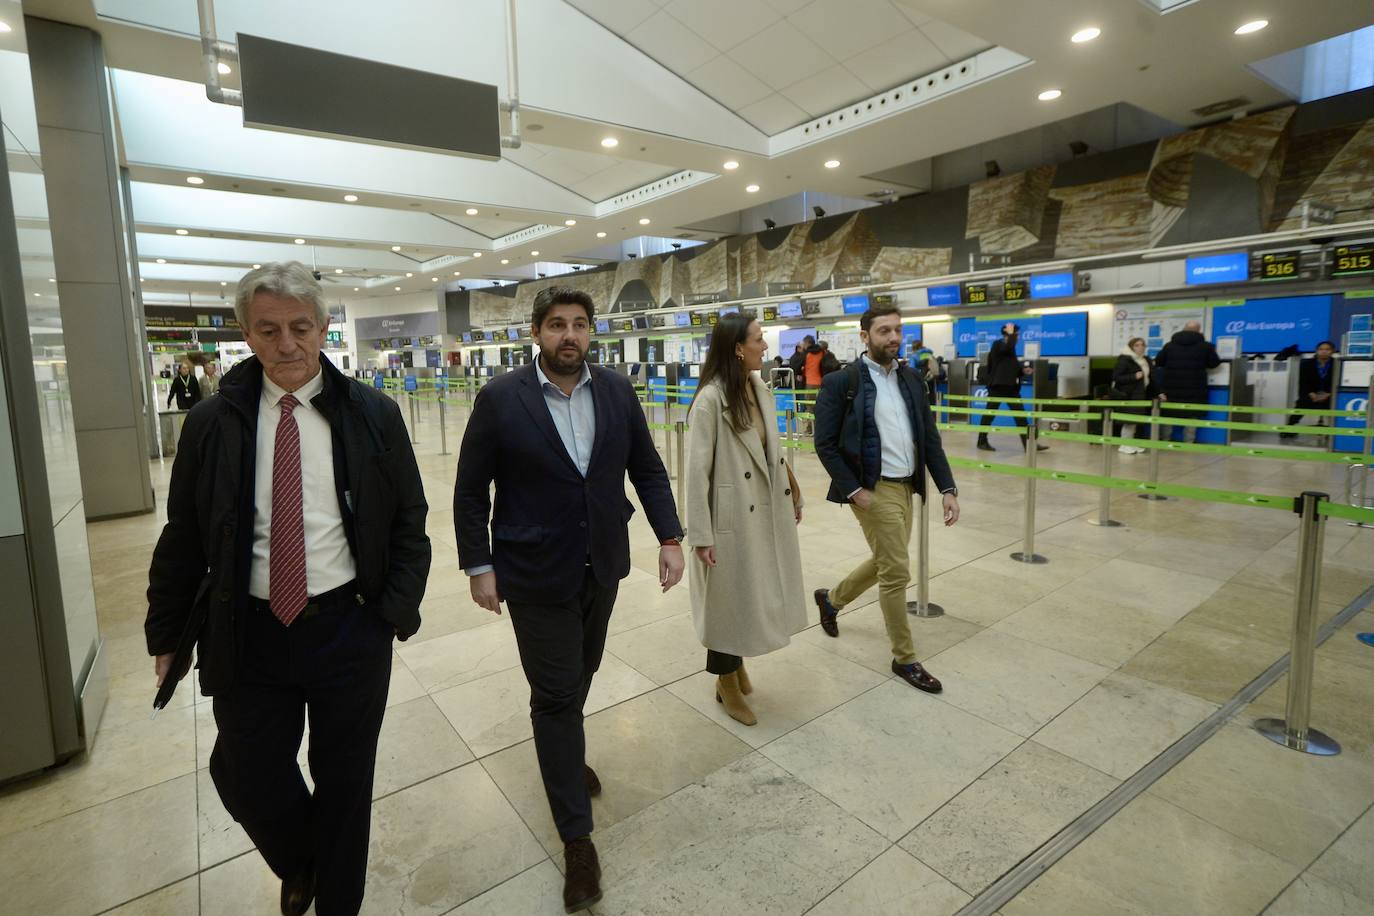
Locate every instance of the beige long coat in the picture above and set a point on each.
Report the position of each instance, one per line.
(739, 500)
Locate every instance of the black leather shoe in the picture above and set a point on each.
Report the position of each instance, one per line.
(593, 783)
(917, 677)
(984, 445)
(829, 613)
(298, 892)
(581, 875)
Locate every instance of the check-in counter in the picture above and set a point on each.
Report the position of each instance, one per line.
(1352, 394)
(169, 423)
(1226, 385)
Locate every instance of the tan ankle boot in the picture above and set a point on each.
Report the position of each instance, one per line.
(745, 686)
(728, 694)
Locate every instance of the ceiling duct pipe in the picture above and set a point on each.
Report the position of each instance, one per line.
(211, 51)
(511, 105)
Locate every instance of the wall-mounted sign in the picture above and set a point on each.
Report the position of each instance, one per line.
(792, 309)
(976, 293)
(1278, 265)
(1016, 290)
(1352, 260)
(855, 304)
(1232, 267)
(770, 313)
(697, 319)
(942, 295)
(1052, 286)
(419, 324)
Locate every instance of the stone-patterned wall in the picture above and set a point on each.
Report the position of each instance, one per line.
(1037, 215)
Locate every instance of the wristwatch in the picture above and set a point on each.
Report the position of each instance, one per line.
(952, 491)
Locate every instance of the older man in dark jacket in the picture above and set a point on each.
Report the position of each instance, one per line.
(294, 552)
(1183, 364)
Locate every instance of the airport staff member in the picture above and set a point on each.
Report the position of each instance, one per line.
(294, 552)
(557, 438)
(876, 437)
(185, 387)
(1316, 376)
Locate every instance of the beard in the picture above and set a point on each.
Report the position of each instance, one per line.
(883, 355)
(564, 361)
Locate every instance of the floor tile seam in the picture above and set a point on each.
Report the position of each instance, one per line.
(1012, 883)
(1251, 844)
(1366, 813)
(93, 805)
(430, 778)
(149, 893)
(502, 883)
(834, 890)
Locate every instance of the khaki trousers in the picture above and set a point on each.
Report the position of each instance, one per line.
(886, 526)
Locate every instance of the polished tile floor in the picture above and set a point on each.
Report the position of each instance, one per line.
(854, 793)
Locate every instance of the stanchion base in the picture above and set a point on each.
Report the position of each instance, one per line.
(1108, 523)
(932, 610)
(1022, 557)
(1153, 497)
(1366, 638)
(1318, 743)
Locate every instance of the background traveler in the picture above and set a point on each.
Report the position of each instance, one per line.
(1132, 381)
(185, 387)
(1181, 376)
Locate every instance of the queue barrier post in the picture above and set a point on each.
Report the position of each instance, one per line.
(680, 431)
(1294, 730)
(1357, 494)
(1154, 452)
(414, 431)
(443, 430)
(1027, 552)
(1368, 421)
(922, 607)
(791, 421)
(1104, 501)
(668, 433)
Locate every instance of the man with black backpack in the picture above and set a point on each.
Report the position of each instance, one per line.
(876, 437)
(1004, 381)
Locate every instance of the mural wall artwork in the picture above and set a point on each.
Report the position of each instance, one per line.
(1236, 178)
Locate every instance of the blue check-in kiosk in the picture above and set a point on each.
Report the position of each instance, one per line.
(412, 383)
(1352, 394)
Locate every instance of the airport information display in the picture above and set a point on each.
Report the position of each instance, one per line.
(792, 309)
(1352, 260)
(1017, 290)
(1058, 335)
(1270, 325)
(1052, 286)
(1278, 265)
(942, 295)
(976, 293)
(1232, 267)
(856, 304)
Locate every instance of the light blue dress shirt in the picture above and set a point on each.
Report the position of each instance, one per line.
(574, 417)
(893, 421)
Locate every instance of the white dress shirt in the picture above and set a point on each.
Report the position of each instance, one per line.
(328, 561)
(894, 423)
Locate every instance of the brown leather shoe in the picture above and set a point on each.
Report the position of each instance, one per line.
(917, 677)
(593, 783)
(298, 892)
(829, 613)
(581, 875)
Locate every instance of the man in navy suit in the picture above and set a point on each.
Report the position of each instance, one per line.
(557, 438)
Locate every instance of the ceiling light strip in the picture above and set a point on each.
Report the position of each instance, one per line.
(654, 190)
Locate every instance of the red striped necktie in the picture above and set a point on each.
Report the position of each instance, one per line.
(286, 549)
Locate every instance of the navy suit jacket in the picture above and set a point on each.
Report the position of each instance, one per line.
(548, 521)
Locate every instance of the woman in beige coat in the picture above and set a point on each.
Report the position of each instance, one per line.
(743, 508)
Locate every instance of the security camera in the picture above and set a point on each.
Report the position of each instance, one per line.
(676, 245)
(633, 255)
(317, 275)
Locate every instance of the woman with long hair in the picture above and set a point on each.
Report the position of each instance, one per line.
(743, 508)
(1131, 382)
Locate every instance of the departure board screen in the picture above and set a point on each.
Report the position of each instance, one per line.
(1352, 260)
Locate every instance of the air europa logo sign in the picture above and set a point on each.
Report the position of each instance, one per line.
(1235, 327)
(1357, 404)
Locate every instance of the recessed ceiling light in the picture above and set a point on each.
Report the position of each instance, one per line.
(434, 279)
(338, 270)
(477, 254)
(570, 222)
(39, 294)
(644, 220)
(731, 165)
(183, 232)
(350, 198)
(194, 179)
(1049, 95)
(610, 142)
(1253, 26)
(224, 69)
(52, 279)
(505, 260)
(397, 288)
(224, 283)
(471, 211)
(257, 266)
(601, 235)
(300, 241)
(832, 163)
(1083, 35)
(162, 260)
(4, 27)
(752, 189)
(355, 289)
(409, 274)
(534, 254)
(395, 247)
(457, 273)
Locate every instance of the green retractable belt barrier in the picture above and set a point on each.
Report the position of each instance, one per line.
(1024, 414)
(1247, 427)
(975, 428)
(1054, 402)
(1164, 405)
(1139, 486)
(1349, 513)
(1240, 451)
